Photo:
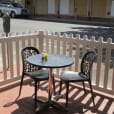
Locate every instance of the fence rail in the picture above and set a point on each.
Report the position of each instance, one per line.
(103, 67)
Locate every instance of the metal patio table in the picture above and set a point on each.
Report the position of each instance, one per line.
(53, 61)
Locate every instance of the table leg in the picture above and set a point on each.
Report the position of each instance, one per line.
(50, 85)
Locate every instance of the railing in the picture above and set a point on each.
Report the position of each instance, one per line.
(103, 67)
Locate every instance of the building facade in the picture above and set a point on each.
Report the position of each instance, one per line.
(70, 8)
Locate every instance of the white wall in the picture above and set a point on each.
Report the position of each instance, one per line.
(112, 9)
(64, 7)
(51, 6)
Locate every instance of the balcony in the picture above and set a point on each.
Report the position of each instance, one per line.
(102, 73)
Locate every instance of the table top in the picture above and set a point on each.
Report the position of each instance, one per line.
(54, 61)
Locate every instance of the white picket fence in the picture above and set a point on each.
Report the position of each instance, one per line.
(103, 67)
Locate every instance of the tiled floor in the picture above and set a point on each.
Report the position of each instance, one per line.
(79, 103)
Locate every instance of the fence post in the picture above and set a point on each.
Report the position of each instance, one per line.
(41, 41)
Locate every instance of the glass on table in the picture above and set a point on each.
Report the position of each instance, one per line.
(44, 56)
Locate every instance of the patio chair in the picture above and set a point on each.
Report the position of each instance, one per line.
(34, 72)
(82, 76)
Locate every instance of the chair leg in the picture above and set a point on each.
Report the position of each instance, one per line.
(35, 99)
(84, 86)
(54, 91)
(92, 92)
(38, 84)
(67, 91)
(60, 87)
(21, 84)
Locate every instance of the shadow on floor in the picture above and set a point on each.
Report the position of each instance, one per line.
(79, 102)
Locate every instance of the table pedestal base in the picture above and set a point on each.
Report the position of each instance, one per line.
(50, 104)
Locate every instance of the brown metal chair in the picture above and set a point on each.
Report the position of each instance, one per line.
(34, 72)
(82, 76)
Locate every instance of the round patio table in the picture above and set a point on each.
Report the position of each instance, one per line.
(53, 61)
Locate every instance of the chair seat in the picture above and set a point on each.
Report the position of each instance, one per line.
(39, 75)
(72, 76)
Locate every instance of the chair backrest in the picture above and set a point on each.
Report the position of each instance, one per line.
(25, 53)
(87, 62)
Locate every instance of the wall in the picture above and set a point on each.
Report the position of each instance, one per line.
(41, 7)
(71, 8)
(51, 7)
(99, 8)
(82, 7)
(57, 7)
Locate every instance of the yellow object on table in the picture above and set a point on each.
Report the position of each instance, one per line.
(45, 56)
